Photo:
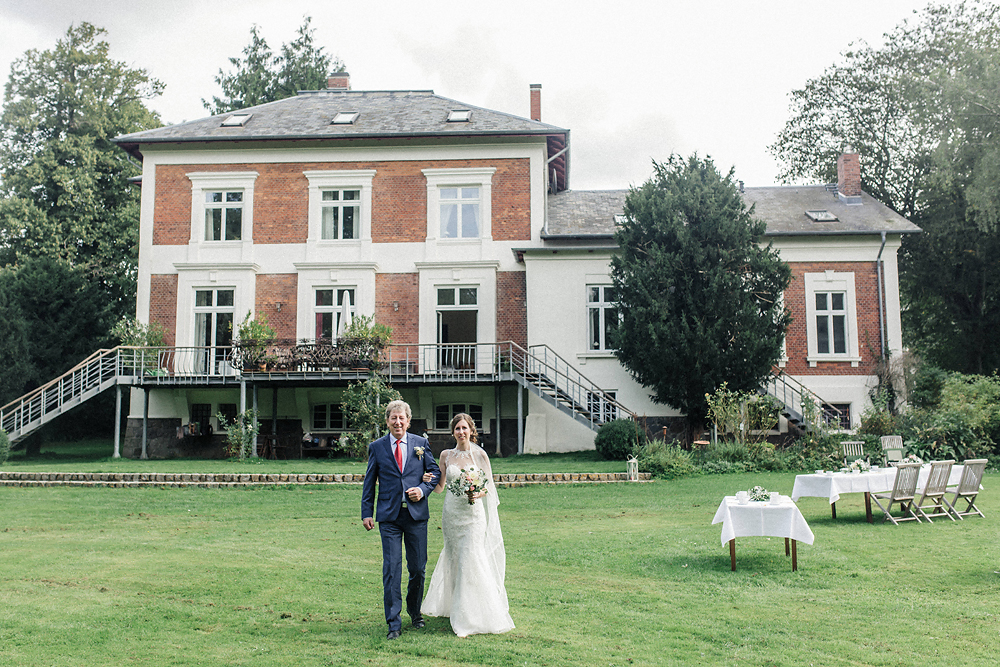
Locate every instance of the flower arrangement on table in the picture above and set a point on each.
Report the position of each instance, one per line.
(469, 482)
(860, 465)
(759, 494)
(913, 458)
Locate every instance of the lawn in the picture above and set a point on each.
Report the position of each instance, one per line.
(608, 574)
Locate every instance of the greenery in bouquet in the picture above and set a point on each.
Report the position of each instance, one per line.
(759, 494)
(913, 458)
(470, 481)
(860, 465)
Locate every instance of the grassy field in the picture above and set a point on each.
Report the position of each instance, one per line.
(622, 574)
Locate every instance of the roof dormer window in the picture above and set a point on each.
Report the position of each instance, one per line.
(821, 216)
(346, 118)
(459, 115)
(236, 120)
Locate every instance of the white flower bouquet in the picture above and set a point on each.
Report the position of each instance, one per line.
(759, 494)
(860, 465)
(469, 482)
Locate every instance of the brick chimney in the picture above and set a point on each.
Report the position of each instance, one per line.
(849, 176)
(339, 81)
(536, 101)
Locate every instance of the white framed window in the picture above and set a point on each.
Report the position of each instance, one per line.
(458, 203)
(340, 215)
(831, 318)
(333, 306)
(602, 317)
(214, 320)
(340, 203)
(328, 417)
(222, 206)
(459, 213)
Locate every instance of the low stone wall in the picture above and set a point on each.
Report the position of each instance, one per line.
(223, 480)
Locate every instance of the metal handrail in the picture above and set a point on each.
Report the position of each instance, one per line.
(791, 393)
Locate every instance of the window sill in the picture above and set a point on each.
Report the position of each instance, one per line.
(831, 359)
(582, 357)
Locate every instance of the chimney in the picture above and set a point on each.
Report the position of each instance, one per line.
(849, 177)
(536, 101)
(339, 81)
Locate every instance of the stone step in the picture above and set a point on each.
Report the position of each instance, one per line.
(224, 480)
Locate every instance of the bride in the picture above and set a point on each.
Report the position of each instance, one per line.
(468, 580)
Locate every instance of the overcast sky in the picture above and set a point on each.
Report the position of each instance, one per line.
(633, 81)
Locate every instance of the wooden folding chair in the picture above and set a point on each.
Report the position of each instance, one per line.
(892, 449)
(968, 488)
(904, 489)
(932, 497)
(852, 450)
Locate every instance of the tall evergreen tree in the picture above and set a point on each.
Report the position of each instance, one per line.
(699, 296)
(260, 76)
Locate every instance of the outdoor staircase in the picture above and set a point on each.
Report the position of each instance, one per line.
(550, 377)
(793, 395)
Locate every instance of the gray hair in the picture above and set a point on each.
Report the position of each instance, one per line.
(398, 406)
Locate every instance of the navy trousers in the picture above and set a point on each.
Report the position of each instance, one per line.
(395, 534)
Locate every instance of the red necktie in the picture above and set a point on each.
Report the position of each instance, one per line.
(399, 455)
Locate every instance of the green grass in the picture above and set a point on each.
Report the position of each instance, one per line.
(620, 574)
(95, 456)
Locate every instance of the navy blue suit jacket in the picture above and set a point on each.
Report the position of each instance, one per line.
(392, 484)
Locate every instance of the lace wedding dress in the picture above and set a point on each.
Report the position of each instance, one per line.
(468, 581)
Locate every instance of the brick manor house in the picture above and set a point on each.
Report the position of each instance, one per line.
(456, 226)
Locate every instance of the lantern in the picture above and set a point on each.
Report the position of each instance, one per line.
(633, 469)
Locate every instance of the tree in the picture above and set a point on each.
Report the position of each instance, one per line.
(699, 298)
(261, 77)
(65, 190)
(924, 113)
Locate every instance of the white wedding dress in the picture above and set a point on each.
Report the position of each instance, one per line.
(468, 581)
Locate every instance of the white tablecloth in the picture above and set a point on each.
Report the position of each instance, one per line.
(831, 485)
(762, 519)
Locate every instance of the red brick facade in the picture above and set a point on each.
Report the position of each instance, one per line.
(866, 300)
(404, 289)
(399, 199)
(163, 303)
(512, 310)
(271, 289)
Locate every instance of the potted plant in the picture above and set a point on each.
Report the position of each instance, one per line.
(363, 342)
(253, 335)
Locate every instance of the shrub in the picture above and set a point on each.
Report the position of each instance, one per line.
(364, 406)
(241, 433)
(964, 422)
(665, 460)
(4, 447)
(876, 419)
(617, 440)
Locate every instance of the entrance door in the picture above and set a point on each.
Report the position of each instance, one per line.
(457, 324)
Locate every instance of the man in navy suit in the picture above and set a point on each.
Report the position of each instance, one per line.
(397, 462)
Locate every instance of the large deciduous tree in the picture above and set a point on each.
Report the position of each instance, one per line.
(924, 113)
(261, 76)
(699, 296)
(64, 185)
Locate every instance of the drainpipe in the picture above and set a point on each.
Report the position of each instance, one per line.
(881, 317)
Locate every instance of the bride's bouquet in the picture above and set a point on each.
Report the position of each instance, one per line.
(469, 482)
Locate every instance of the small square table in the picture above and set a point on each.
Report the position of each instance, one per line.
(760, 519)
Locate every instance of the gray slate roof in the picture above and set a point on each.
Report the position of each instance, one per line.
(382, 114)
(576, 213)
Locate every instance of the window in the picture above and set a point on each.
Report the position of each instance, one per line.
(602, 409)
(602, 316)
(228, 411)
(831, 323)
(831, 318)
(459, 213)
(444, 413)
(222, 206)
(333, 307)
(457, 296)
(458, 203)
(201, 415)
(341, 213)
(459, 115)
(837, 415)
(346, 117)
(328, 417)
(223, 216)
(236, 120)
(340, 204)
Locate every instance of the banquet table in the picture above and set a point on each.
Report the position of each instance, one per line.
(761, 519)
(832, 484)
